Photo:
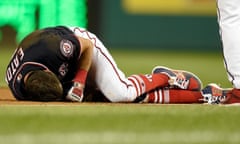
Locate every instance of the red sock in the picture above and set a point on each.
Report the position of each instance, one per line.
(185, 96)
(233, 96)
(173, 96)
(146, 83)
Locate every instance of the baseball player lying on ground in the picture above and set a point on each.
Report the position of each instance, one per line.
(65, 63)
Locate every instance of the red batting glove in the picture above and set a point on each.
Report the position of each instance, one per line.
(75, 94)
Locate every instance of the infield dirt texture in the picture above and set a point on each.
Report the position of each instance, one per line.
(6, 98)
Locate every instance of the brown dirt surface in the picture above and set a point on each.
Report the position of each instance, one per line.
(6, 98)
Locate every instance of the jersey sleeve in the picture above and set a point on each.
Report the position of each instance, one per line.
(65, 39)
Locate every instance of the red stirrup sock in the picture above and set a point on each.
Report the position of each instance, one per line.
(146, 83)
(233, 96)
(172, 96)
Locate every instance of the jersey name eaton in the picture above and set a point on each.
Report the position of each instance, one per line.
(14, 64)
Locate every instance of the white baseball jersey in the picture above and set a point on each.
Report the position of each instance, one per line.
(229, 24)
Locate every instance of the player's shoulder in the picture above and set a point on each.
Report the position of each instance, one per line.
(30, 39)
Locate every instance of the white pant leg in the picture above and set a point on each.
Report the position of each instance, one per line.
(229, 24)
(104, 72)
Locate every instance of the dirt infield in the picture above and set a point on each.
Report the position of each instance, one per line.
(6, 98)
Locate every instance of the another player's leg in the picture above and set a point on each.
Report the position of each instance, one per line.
(229, 24)
(179, 78)
(213, 94)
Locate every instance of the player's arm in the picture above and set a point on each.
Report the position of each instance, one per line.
(85, 60)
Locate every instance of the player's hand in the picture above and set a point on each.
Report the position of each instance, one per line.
(75, 94)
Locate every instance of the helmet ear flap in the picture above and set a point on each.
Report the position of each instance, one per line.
(43, 86)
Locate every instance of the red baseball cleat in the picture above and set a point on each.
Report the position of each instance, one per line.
(180, 79)
(213, 94)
